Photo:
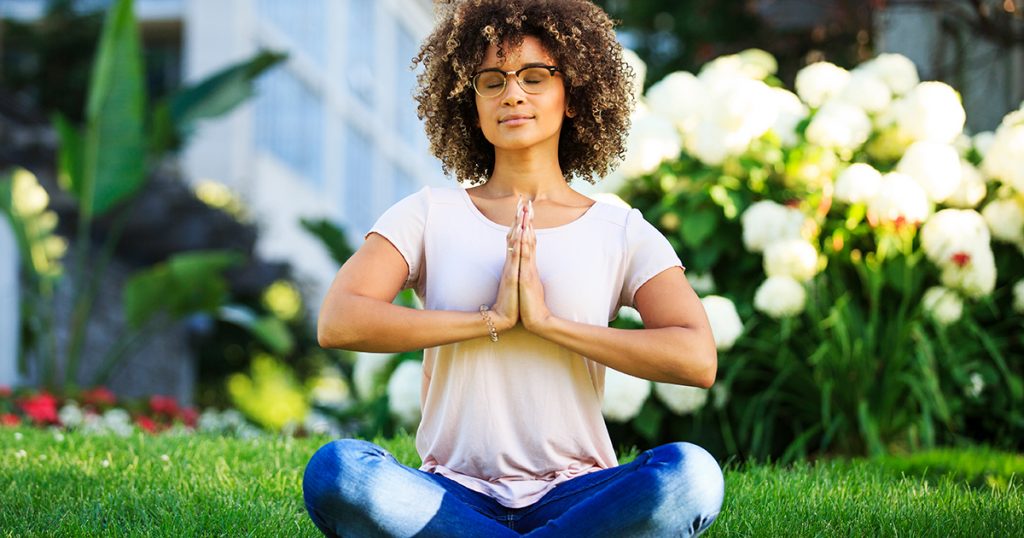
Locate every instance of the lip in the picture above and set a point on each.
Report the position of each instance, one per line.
(515, 119)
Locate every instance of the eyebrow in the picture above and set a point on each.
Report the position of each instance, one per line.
(528, 64)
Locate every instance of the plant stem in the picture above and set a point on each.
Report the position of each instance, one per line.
(85, 298)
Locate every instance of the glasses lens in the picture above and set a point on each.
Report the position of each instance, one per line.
(489, 83)
(535, 79)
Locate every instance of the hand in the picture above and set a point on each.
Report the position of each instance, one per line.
(506, 306)
(533, 310)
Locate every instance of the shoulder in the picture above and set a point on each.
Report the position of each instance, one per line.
(611, 209)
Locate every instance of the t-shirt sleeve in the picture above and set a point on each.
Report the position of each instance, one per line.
(648, 253)
(403, 225)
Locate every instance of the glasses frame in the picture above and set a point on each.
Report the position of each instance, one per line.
(504, 80)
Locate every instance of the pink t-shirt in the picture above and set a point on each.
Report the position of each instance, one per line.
(513, 419)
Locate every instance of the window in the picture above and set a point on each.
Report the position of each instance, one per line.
(289, 123)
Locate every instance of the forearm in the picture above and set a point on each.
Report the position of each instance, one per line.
(668, 354)
(366, 324)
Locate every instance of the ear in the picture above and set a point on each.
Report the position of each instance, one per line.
(569, 112)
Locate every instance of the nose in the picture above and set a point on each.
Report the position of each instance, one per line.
(514, 93)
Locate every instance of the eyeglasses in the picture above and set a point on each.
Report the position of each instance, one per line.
(532, 79)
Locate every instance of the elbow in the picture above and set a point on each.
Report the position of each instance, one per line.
(710, 370)
(707, 370)
(327, 334)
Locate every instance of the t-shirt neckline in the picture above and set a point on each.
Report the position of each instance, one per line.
(476, 211)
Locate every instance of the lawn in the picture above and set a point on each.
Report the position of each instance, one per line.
(77, 485)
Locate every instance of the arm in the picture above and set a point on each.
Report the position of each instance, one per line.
(675, 347)
(358, 313)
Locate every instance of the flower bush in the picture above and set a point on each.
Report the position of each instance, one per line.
(871, 248)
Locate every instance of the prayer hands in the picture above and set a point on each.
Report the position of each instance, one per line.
(520, 292)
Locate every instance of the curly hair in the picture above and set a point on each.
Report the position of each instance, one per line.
(580, 37)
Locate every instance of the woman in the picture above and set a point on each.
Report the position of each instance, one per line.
(519, 277)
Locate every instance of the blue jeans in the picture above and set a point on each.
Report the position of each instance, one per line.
(356, 488)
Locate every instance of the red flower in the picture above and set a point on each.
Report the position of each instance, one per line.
(146, 423)
(163, 405)
(8, 419)
(5, 391)
(189, 416)
(99, 397)
(960, 258)
(41, 408)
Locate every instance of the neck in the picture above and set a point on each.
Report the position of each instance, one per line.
(533, 172)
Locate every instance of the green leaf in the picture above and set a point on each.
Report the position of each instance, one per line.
(271, 331)
(69, 157)
(648, 420)
(185, 284)
(698, 226)
(219, 93)
(332, 236)
(114, 150)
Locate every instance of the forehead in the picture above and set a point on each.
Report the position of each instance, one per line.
(530, 51)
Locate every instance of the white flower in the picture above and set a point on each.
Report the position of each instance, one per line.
(1005, 157)
(319, 423)
(633, 60)
(934, 166)
(977, 385)
(858, 183)
(896, 70)
(962, 144)
(118, 421)
(20, 454)
(971, 190)
(681, 399)
(931, 111)
(404, 392)
(726, 325)
(105, 463)
(780, 296)
(651, 140)
(982, 142)
(629, 313)
(758, 63)
(680, 97)
(624, 395)
(867, 91)
(973, 272)
(70, 415)
(209, 421)
(791, 111)
(368, 373)
(702, 283)
(165, 458)
(1006, 219)
(899, 198)
(796, 258)
(943, 305)
(741, 111)
(951, 231)
(839, 125)
(18, 436)
(1018, 296)
(820, 81)
(766, 221)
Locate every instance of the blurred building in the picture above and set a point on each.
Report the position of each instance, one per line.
(332, 132)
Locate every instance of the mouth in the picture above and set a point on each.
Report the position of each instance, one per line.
(519, 120)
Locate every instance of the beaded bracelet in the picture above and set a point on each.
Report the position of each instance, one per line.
(487, 318)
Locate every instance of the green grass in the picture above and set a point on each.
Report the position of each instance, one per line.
(213, 486)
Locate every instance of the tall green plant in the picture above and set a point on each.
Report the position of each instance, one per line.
(104, 167)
